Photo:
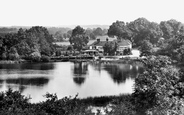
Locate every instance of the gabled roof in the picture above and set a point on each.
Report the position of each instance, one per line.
(120, 43)
(124, 42)
(103, 38)
(98, 43)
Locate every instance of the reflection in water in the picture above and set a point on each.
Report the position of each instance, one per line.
(25, 66)
(79, 80)
(120, 75)
(22, 83)
(28, 81)
(1, 83)
(80, 68)
(120, 72)
(80, 71)
(93, 79)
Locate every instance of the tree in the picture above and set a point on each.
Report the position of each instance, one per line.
(35, 56)
(39, 39)
(110, 47)
(23, 49)
(78, 39)
(98, 32)
(120, 30)
(159, 89)
(78, 31)
(13, 55)
(144, 30)
(171, 28)
(174, 48)
(146, 48)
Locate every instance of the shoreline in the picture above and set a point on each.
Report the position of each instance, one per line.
(13, 62)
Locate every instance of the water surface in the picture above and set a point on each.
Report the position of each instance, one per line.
(68, 79)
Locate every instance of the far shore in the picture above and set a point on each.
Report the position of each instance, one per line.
(12, 61)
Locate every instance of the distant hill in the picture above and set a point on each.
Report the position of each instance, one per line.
(52, 30)
(5, 30)
(87, 26)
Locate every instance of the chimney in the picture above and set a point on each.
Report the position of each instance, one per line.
(98, 40)
(107, 39)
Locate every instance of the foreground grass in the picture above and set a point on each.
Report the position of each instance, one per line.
(13, 103)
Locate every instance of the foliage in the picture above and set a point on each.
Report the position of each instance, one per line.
(35, 56)
(136, 31)
(12, 102)
(78, 38)
(13, 55)
(45, 58)
(159, 89)
(98, 32)
(174, 48)
(144, 30)
(146, 48)
(171, 28)
(61, 36)
(127, 51)
(110, 48)
(120, 30)
(70, 48)
(23, 43)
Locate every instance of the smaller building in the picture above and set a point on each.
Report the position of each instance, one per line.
(90, 52)
(122, 45)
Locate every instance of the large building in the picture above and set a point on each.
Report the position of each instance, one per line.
(100, 42)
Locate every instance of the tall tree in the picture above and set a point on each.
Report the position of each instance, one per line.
(146, 48)
(120, 30)
(98, 31)
(144, 30)
(39, 39)
(171, 28)
(174, 48)
(110, 47)
(78, 38)
(78, 31)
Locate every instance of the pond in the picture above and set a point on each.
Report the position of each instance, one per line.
(87, 79)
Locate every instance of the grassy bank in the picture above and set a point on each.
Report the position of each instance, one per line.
(14, 61)
(13, 103)
(8, 62)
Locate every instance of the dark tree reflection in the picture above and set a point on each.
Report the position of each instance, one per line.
(119, 74)
(80, 70)
(32, 66)
(28, 81)
(79, 80)
(1, 83)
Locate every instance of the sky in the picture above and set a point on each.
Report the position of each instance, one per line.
(86, 12)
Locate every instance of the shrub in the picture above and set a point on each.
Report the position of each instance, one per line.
(159, 88)
(35, 56)
(45, 58)
(13, 56)
(4, 56)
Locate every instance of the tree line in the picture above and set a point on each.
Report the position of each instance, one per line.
(32, 44)
(63, 34)
(165, 38)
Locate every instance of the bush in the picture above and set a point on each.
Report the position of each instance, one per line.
(35, 56)
(45, 58)
(4, 56)
(13, 56)
(159, 88)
